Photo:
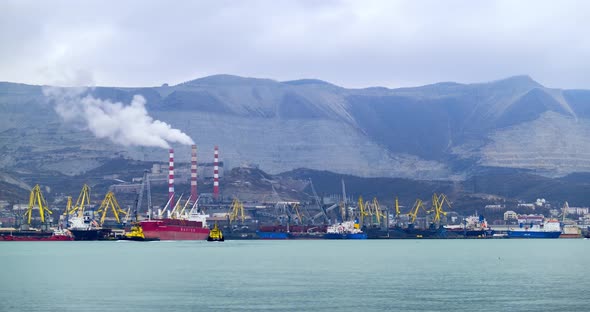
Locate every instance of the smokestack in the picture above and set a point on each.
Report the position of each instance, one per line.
(216, 173)
(171, 179)
(193, 198)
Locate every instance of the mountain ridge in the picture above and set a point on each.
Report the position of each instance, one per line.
(437, 131)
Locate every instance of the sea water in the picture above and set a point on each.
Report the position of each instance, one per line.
(314, 275)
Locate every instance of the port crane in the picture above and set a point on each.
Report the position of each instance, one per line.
(344, 207)
(68, 206)
(362, 211)
(414, 211)
(36, 199)
(83, 199)
(145, 186)
(236, 211)
(564, 210)
(110, 201)
(319, 204)
(296, 210)
(378, 213)
(437, 206)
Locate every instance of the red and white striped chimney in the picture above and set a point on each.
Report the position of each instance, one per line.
(193, 174)
(171, 179)
(216, 173)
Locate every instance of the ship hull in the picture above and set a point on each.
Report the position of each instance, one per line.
(211, 239)
(570, 236)
(533, 234)
(36, 238)
(167, 229)
(240, 235)
(411, 232)
(311, 235)
(345, 236)
(138, 239)
(91, 234)
(470, 233)
(272, 235)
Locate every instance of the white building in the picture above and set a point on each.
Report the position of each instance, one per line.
(577, 211)
(510, 215)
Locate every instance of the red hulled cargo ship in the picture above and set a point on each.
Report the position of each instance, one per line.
(175, 229)
(35, 236)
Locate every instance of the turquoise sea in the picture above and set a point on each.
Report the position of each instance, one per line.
(373, 275)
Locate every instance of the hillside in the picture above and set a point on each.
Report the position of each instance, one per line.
(440, 131)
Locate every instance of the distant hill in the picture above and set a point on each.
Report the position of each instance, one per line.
(441, 131)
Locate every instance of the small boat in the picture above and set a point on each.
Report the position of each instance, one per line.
(215, 235)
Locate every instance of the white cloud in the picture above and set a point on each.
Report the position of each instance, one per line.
(351, 43)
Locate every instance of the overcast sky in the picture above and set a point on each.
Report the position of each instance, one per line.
(349, 43)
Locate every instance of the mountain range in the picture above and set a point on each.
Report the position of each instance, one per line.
(443, 131)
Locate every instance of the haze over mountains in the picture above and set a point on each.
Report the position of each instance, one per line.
(440, 131)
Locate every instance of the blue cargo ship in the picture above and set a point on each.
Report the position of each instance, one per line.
(547, 229)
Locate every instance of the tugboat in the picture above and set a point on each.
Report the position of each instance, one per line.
(215, 235)
(136, 234)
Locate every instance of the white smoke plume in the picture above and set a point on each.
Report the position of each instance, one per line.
(129, 125)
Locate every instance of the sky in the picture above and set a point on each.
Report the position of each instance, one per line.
(349, 43)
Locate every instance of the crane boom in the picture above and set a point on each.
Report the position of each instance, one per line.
(319, 204)
(110, 201)
(36, 198)
(414, 211)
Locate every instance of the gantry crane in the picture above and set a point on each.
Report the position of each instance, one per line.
(320, 205)
(414, 211)
(437, 206)
(145, 186)
(110, 201)
(68, 206)
(36, 199)
(362, 210)
(83, 199)
(378, 214)
(236, 210)
(297, 209)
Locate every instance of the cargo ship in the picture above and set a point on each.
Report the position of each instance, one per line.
(85, 229)
(412, 232)
(345, 230)
(547, 229)
(192, 228)
(291, 232)
(408, 232)
(34, 236)
(472, 227)
(571, 231)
